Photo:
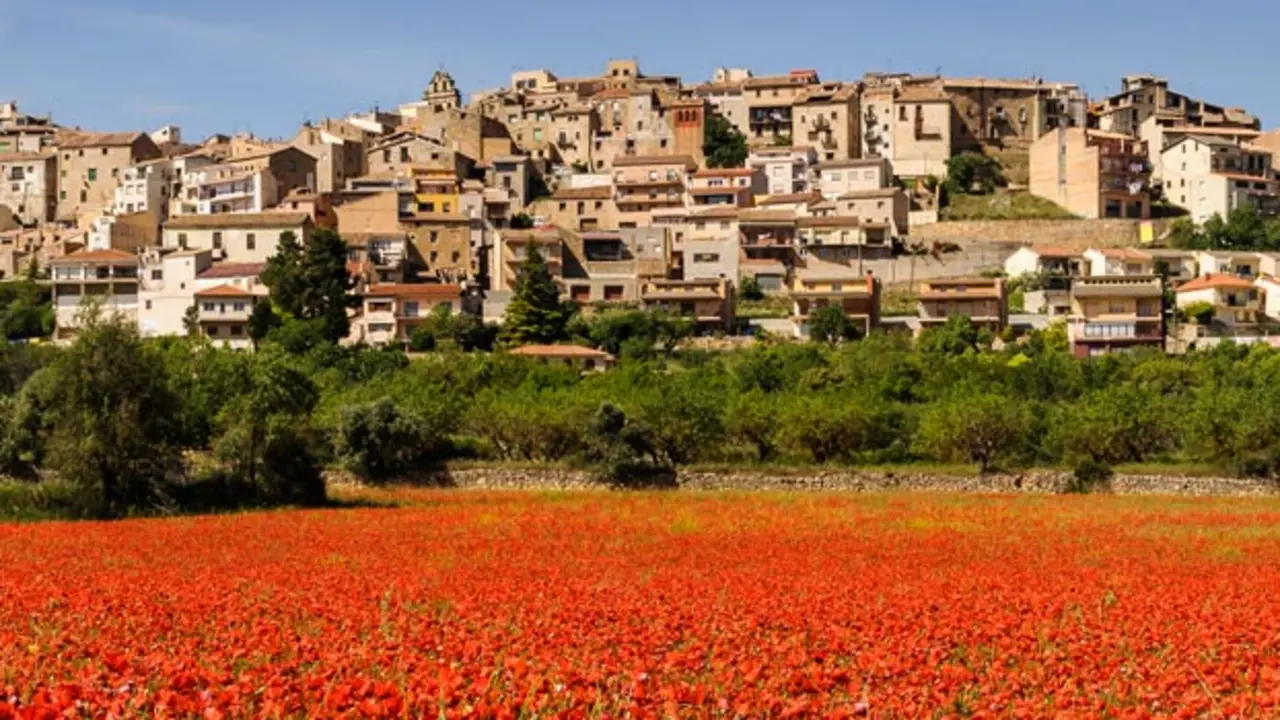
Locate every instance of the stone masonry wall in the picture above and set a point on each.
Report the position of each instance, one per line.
(499, 478)
(1080, 234)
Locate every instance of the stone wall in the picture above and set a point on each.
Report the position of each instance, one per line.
(1080, 234)
(1038, 482)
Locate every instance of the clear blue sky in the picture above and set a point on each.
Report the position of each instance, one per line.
(267, 65)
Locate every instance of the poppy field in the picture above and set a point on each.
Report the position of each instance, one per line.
(652, 605)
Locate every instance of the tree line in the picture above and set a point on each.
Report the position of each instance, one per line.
(115, 424)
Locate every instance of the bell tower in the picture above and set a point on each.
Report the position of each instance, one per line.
(443, 93)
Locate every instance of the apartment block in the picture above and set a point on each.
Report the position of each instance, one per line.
(818, 285)
(28, 186)
(583, 209)
(1119, 262)
(24, 134)
(736, 187)
(1115, 314)
(1092, 174)
(983, 300)
(827, 120)
(1235, 300)
(1144, 98)
(787, 170)
(247, 184)
(922, 132)
(708, 302)
(644, 183)
(1012, 113)
(235, 237)
(89, 170)
(105, 280)
(391, 312)
(513, 247)
(1210, 176)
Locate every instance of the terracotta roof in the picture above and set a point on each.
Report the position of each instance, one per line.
(561, 351)
(865, 194)
(1054, 251)
(748, 217)
(1216, 281)
(638, 160)
(852, 162)
(603, 192)
(98, 256)
(424, 290)
(225, 291)
(716, 212)
(725, 172)
(232, 269)
(829, 221)
(76, 139)
(1124, 254)
(790, 199)
(238, 220)
(922, 94)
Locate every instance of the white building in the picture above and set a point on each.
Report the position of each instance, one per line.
(845, 176)
(105, 279)
(787, 170)
(1210, 176)
(235, 237)
(168, 290)
(145, 188)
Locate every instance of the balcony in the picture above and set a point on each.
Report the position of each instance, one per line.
(225, 311)
(565, 142)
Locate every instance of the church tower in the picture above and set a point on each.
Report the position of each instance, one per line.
(443, 93)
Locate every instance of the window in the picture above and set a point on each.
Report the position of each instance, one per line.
(250, 242)
(435, 235)
(217, 241)
(237, 330)
(455, 257)
(62, 195)
(148, 305)
(207, 307)
(433, 256)
(404, 154)
(599, 205)
(706, 257)
(386, 156)
(212, 331)
(411, 308)
(563, 206)
(446, 207)
(157, 274)
(835, 177)
(902, 112)
(84, 196)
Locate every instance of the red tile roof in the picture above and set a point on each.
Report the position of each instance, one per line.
(225, 291)
(424, 290)
(1216, 281)
(232, 269)
(98, 256)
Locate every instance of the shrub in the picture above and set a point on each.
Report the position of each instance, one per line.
(378, 440)
(1090, 476)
